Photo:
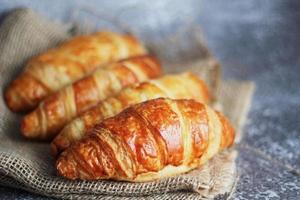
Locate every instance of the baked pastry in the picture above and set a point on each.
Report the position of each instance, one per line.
(58, 109)
(152, 140)
(54, 69)
(185, 85)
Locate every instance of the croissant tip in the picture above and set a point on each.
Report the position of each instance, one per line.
(65, 168)
(59, 168)
(58, 145)
(14, 101)
(28, 125)
(8, 97)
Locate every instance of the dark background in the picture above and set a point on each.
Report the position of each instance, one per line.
(255, 40)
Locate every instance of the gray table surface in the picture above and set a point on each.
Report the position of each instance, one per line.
(254, 40)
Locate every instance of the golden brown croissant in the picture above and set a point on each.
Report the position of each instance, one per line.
(58, 67)
(185, 85)
(152, 140)
(58, 109)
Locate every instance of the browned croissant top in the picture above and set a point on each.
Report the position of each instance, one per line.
(151, 140)
(58, 109)
(50, 71)
(177, 86)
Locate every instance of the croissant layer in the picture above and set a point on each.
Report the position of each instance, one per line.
(50, 71)
(185, 85)
(151, 140)
(58, 109)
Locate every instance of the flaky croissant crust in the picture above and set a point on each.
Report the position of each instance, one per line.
(177, 86)
(52, 70)
(58, 109)
(148, 141)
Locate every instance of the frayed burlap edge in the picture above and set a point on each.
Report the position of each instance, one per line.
(217, 179)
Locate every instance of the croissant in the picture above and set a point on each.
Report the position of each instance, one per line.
(58, 67)
(58, 109)
(152, 140)
(185, 85)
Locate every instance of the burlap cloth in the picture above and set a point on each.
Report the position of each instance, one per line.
(29, 166)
